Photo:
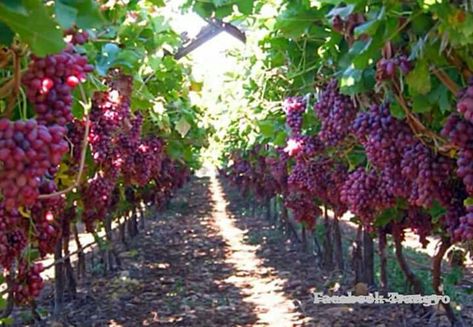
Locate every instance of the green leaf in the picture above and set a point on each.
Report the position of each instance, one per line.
(65, 15)
(420, 104)
(468, 202)
(418, 79)
(88, 14)
(245, 6)
(267, 128)
(436, 211)
(397, 111)
(183, 127)
(107, 58)
(224, 11)
(387, 216)
(6, 35)
(41, 33)
(369, 28)
(343, 12)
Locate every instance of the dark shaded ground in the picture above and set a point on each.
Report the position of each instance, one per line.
(177, 273)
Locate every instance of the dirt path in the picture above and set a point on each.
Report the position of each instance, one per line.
(207, 262)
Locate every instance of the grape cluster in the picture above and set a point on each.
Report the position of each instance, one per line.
(46, 215)
(336, 113)
(28, 151)
(465, 102)
(294, 107)
(429, 174)
(420, 223)
(28, 282)
(364, 194)
(460, 133)
(386, 69)
(304, 208)
(12, 236)
(408, 168)
(464, 232)
(49, 83)
(145, 161)
(75, 135)
(97, 195)
(77, 37)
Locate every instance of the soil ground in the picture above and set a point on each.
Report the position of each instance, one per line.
(206, 262)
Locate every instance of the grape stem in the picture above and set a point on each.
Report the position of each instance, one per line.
(418, 128)
(85, 143)
(446, 80)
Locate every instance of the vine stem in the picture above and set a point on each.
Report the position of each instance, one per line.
(418, 128)
(85, 143)
(446, 80)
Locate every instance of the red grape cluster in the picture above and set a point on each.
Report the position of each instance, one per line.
(28, 151)
(465, 102)
(46, 215)
(28, 282)
(408, 168)
(110, 112)
(97, 196)
(305, 209)
(364, 194)
(386, 69)
(77, 37)
(420, 223)
(75, 135)
(49, 83)
(12, 236)
(294, 107)
(336, 113)
(464, 232)
(460, 133)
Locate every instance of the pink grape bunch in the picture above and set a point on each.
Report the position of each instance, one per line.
(28, 282)
(460, 132)
(28, 150)
(49, 83)
(336, 113)
(387, 69)
(465, 102)
(294, 107)
(364, 194)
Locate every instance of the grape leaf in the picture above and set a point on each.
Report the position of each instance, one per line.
(6, 35)
(183, 127)
(418, 79)
(41, 33)
(87, 12)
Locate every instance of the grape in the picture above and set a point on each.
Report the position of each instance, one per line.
(420, 222)
(28, 151)
(294, 107)
(28, 282)
(464, 232)
(364, 194)
(49, 83)
(75, 135)
(336, 113)
(12, 236)
(304, 209)
(429, 174)
(46, 215)
(386, 69)
(77, 37)
(460, 133)
(465, 102)
(97, 195)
